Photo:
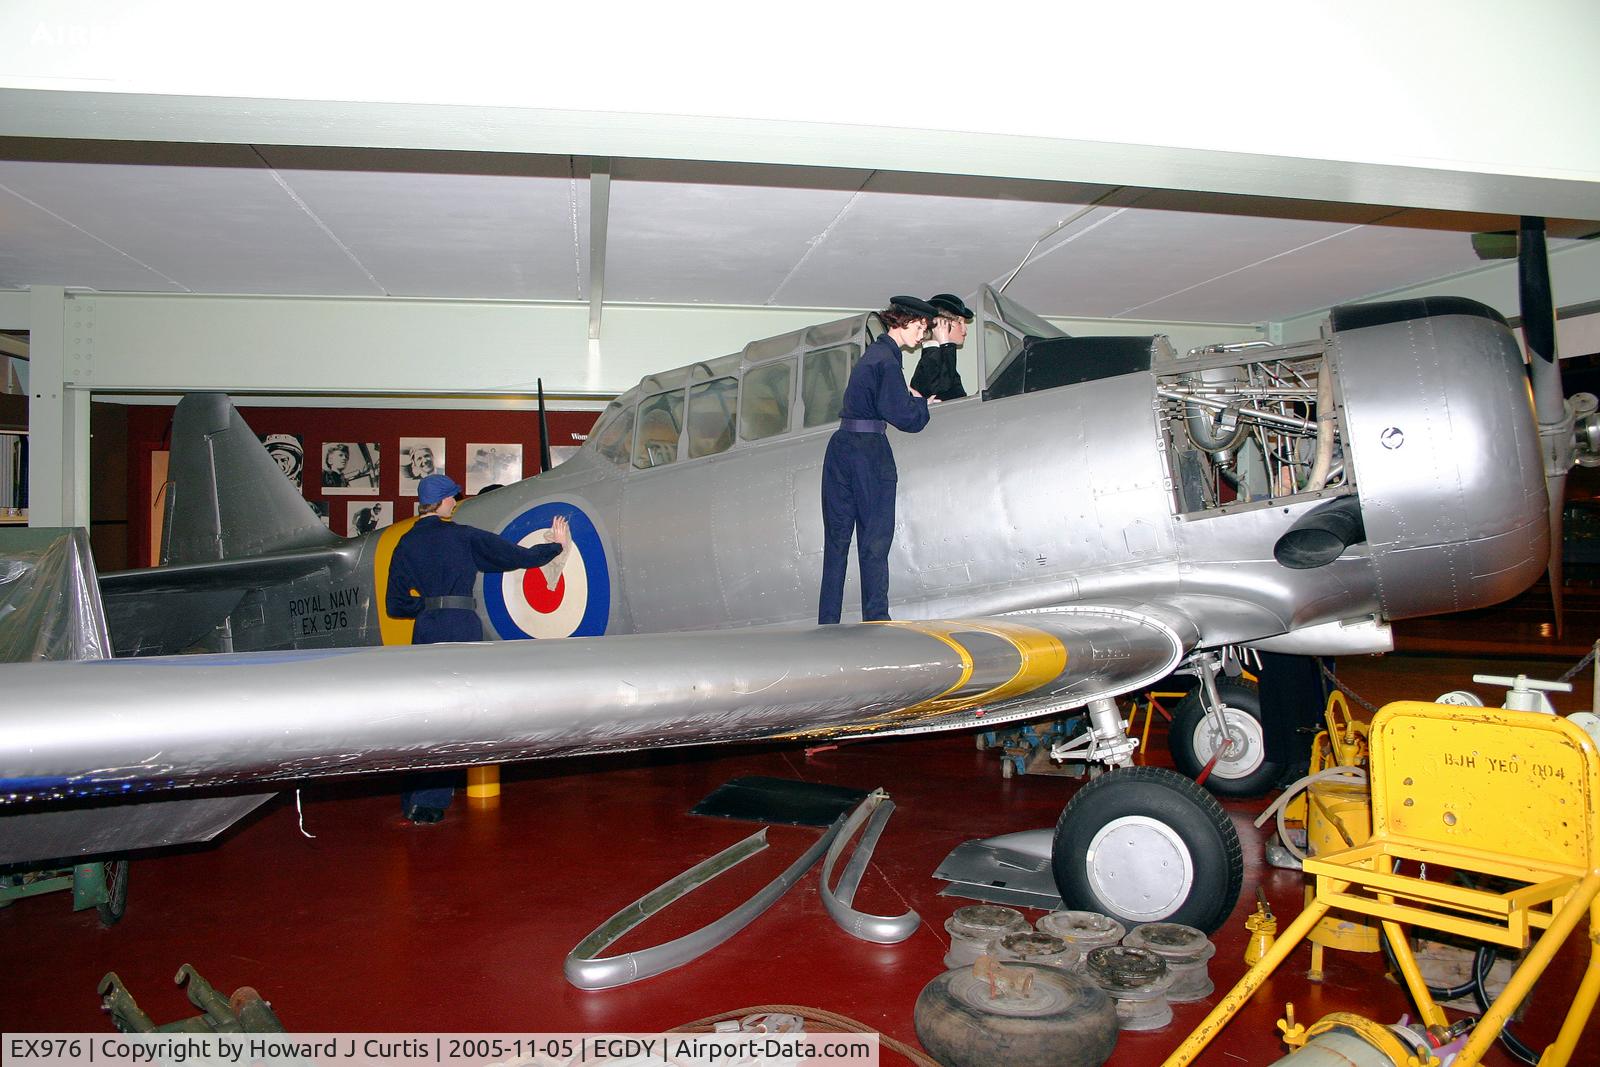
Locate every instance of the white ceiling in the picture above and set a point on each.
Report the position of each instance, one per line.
(354, 222)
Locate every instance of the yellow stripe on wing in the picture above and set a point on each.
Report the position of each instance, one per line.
(1042, 658)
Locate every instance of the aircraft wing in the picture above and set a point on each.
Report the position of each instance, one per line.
(134, 726)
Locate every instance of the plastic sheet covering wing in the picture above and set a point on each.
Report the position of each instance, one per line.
(50, 609)
(49, 598)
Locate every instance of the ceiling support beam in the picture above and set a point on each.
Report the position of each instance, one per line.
(456, 127)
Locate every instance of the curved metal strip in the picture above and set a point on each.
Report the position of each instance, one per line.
(586, 971)
(881, 929)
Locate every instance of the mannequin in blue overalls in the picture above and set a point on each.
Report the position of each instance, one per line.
(431, 577)
(858, 473)
(936, 375)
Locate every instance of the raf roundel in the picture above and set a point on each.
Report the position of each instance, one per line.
(568, 597)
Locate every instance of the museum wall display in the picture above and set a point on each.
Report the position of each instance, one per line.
(377, 455)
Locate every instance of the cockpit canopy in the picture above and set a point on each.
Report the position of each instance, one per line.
(775, 386)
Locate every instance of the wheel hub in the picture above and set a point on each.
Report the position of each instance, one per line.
(1140, 867)
(1244, 748)
(1045, 996)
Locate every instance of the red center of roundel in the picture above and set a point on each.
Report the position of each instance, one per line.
(541, 597)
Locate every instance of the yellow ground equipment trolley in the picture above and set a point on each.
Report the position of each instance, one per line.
(1508, 797)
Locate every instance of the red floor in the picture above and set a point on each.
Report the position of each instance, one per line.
(379, 925)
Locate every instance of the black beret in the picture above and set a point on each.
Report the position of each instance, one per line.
(950, 304)
(913, 305)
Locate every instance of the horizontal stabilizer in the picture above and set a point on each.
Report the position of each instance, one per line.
(169, 624)
(247, 573)
(161, 611)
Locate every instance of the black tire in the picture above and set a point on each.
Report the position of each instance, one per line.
(1065, 1022)
(116, 904)
(1192, 742)
(1176, 851)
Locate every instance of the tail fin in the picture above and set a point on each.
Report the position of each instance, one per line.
(227, 497)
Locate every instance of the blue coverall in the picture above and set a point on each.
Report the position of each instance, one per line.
(438, 558)
(859, 480)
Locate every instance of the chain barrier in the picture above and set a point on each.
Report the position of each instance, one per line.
(1322, 666)
(1370, 706)
(1580, 665)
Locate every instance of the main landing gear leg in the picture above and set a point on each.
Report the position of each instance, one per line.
(1143, 843)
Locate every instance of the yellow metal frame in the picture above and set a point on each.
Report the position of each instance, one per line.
(1347, 735)
(1511, 794)
(1342, 744)
(1151, 706)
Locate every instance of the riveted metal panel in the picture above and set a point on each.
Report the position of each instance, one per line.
(1444, 449)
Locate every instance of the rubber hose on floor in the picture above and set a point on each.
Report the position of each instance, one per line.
(1480, 974)
(1465, 989)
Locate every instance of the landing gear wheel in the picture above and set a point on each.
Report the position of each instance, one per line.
(116, 893)
(1064, 1020)
(1143, 844)
(1244, 770)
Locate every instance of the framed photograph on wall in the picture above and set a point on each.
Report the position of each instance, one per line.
(419, 457)
(350, 468)
(288, 450)
(320, 509)
(365, 516)
(492, 464)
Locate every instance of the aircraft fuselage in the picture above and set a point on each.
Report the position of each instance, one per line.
(1090, 492)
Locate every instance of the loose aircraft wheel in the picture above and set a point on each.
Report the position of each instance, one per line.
(1062, 1020)
(1143, 844)
(1244, 771)
(116, 893)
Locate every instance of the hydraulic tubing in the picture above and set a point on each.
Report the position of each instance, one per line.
(1325, 429)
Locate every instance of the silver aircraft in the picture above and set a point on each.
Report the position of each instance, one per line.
(1105, 512)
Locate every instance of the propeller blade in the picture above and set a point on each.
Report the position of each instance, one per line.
(544, 433)
(1557, 489)
(1539, 320)
(1544, 370)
